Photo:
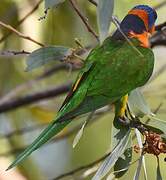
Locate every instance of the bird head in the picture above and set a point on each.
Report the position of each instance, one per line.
(139, 23)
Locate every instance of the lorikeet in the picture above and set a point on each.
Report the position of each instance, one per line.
(110, 72)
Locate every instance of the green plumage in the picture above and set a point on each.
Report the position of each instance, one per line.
(110, 71)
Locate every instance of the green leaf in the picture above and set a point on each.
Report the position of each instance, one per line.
(124, 161)
(138, 170)
(139, 139)
(163, 136)
(80, 132)
(118, 132)
(104, 16)
(52, 3)
(159, 176)
(46, 55)
(157, 123)
(112, 158)
(138, 104)
(79, 135)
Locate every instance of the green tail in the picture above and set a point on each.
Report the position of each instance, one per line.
(52, 129)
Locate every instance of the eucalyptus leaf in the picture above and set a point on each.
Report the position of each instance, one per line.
(124, 161)
(138, 170)
(163, 136)
(52, 3)
(80, 132)
(79, 135)
(138, 104)
(157, 123)
(104, 16)
(159, 176)
(118, 132)
(139, 139)
(112, 158)
(46, 55)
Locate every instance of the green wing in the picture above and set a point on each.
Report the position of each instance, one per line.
(110, 71)
(123, 70)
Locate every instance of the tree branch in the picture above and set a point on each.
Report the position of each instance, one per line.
(159, 38)
(22, 20)
(160, 26)
(20, 34)
(35, 97)
(84, 19)
(14, 53)
(160, 5)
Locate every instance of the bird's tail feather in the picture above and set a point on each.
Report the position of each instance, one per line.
(53, 128)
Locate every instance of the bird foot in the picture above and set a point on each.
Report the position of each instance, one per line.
(124, 121)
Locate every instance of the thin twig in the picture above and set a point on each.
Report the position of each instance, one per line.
(20, 34)
(13, 53)
(22, 20)
(84, 19)
(158, 6)
(160, 26)
(159, 38)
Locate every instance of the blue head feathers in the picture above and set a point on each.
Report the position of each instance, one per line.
(152, 15)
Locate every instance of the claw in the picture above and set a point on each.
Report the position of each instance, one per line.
(124, 121)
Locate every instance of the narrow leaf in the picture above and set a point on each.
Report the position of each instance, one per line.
(157, 123)
(79, 135)
(104, 16)
(80, 132)
(138, 170)
(52, 3)
(159, 176)
(138, 135)
(123, 162)
(118, 132)
(112, 158)
(138, 104)
(46, 55)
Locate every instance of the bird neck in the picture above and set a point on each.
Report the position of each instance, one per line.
(143, 38)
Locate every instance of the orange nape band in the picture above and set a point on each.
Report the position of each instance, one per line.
(142, 14)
